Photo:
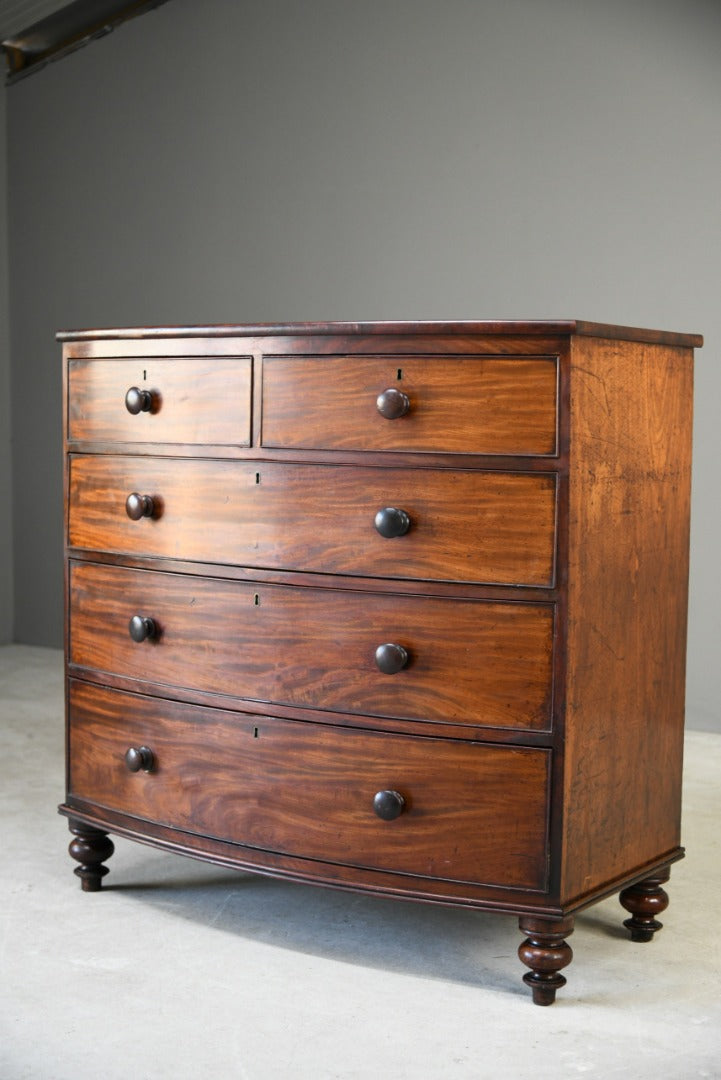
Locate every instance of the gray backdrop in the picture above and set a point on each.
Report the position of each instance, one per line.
(329, 159)
(6, 581)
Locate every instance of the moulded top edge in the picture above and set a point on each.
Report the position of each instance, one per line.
(466, 327)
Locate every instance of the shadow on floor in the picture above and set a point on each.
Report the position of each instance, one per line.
(454, 944)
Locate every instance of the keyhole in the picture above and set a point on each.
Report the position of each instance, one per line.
(257, 478)
(256, 600)
(399, 376)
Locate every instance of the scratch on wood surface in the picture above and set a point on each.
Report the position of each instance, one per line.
(605, 403)
(605, 642)
(617, 443)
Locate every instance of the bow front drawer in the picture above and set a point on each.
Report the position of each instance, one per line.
(197, 402)
(392, 523)
(435, 659)
(463, 405)
(457, 811)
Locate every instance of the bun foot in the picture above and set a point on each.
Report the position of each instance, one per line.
(90, 847)
(645, 901)
(545, 952)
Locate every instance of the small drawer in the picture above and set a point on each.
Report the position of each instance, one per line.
(474, 662)
(449, 525)
(450, 405)
(196, 402)
(464, 811)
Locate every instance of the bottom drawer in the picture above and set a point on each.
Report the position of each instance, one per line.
(471, 812)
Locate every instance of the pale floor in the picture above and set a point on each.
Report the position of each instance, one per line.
(182, 970)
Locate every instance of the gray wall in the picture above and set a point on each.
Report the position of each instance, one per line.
(6, 564)
(278, 160)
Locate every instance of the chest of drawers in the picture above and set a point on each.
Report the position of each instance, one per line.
(393, 607)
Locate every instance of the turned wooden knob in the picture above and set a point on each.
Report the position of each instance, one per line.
(139, 758)
(139, 506)
(391, 658)
(393, 403)
(388, 805)
(142, 628)
(390, 522)
(137, 400)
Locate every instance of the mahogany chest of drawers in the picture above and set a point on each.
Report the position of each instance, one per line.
(395, 607)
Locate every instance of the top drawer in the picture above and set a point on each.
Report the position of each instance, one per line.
(200, 401)
(458, 404)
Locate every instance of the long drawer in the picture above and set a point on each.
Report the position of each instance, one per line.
(466, 812)
(196, 401)
(471, 404)
(427, 658)
(462, 525)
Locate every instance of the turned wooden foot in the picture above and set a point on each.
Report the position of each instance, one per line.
(645, 901)
(90, 847)
(545, 952)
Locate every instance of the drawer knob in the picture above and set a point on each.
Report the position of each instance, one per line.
(391, 522)
(393, 403)
(388, 805)
(137, 400)
(139, 506)
(142, 628)
(391, 658)
(139, 758)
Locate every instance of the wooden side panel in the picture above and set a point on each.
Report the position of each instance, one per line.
(473, 405)
(469, 661)
(627, 599)
(471, 812)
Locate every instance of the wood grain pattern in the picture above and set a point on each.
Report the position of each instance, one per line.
(472, 662)
(476, 405)
(628, 565)
(194, 401)
(472, 812)
(468, 526)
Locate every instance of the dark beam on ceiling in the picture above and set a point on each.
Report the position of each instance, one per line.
(68, 29)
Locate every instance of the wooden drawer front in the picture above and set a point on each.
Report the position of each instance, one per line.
(472, 812)
(469, 661)
(465, 526)
(465, 405)
(201, 401)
